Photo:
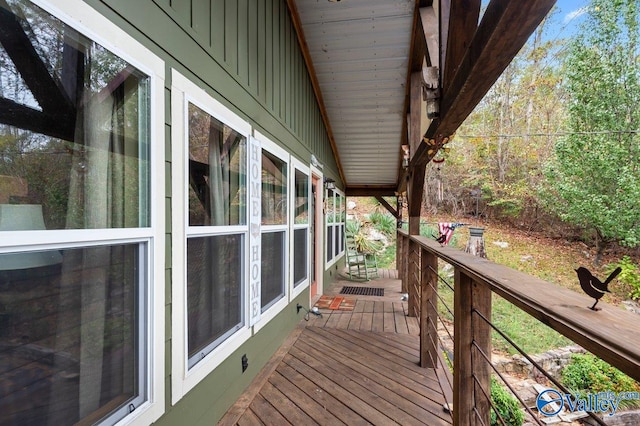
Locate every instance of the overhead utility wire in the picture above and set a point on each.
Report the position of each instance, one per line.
(526, 135)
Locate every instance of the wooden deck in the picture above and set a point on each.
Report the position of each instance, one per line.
(349, 367)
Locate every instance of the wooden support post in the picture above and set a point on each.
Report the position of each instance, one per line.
(467, 362)
(414, 278)
(405, 265)
(481, 297)
(399, 258)
(428, 314)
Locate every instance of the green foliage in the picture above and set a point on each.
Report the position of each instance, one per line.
(586, 373)
(383, 222)
(507, 405)
(629, 276)
(593, 181)
(352, 227)
(363, 244)
(387, 258)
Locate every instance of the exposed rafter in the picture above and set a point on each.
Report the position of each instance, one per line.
(504, 29)
(370, 191)
(387, 206)
(461, 31)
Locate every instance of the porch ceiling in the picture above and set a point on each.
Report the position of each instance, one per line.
(360, 53)
(363, 55)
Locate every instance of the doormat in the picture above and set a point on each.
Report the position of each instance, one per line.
(336, 303)
(362, 291)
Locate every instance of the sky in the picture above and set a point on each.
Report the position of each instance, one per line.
(568, 16)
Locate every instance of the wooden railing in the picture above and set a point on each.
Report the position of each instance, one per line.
(610, 334)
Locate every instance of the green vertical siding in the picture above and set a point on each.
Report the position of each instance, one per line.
(245, 53)
(255, 43)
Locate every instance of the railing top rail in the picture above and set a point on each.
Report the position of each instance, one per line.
(611, 333)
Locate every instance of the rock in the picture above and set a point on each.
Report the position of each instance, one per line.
(501, 244)
(632, 306)
(526, 258)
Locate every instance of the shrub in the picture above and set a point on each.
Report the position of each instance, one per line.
(507, 405)
(629, 276)
(383, 222)
(589, 374)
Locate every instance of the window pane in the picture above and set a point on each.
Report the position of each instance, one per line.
(71, 326)
(274, 190)
(299, 256)
(217, 172)
(330, 206)
(329, 243)
(273, 272)
(214, 291)
(301, 198)
(74, 130)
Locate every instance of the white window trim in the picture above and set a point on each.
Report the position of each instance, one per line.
(340, 254)
(99, 29)
(298, 165)
(183, 379)
(273, 310)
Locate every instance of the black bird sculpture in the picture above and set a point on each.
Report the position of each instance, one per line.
(593, 286)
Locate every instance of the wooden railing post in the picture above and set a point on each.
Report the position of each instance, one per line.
(414, 277)
(467, 362)
(405, 264)
(481, 299)
(399, 258)
(428, 310)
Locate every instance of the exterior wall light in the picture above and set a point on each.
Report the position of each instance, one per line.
(329, 183)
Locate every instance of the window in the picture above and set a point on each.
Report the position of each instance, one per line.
(274, 224)
(335, 220)
(81, 227)
(216, 232)
(300, 213)
(210, 233)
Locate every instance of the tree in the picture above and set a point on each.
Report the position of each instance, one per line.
(502, 145)
(593, 180)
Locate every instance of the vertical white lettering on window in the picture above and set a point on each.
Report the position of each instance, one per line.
(254, 237)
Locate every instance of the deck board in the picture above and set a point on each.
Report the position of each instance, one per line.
(357, 367)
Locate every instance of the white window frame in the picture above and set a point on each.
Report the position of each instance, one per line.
(273, 310)
(337, 194)
(299, 166)
(183, 378)
(99, 29)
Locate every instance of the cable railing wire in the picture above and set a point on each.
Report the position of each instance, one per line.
(504, 380)
(441, 279)
(443, 303)
(488, 398)
(475, 410)
(532, 361)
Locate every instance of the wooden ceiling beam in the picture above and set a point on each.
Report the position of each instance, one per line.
(462, 26)
(431, 31)
(387, 206)
(370, 191)
(504, 29)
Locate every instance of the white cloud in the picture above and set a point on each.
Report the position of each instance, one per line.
(574, 14)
